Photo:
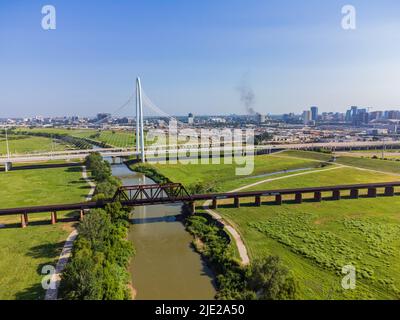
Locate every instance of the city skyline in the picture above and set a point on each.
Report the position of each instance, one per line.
(194, 57)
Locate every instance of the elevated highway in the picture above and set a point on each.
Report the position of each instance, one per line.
(161, 151)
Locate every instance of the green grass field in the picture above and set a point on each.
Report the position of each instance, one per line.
(116, 138)
(332, 176)
(30, 144)
(222, 177)
(23, 252)
(371, 164)
(315, 240)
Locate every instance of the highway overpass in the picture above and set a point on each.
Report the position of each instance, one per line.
(161, 151)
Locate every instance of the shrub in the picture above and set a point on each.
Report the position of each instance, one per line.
(98, 267)
(263, 279)
(270, 280)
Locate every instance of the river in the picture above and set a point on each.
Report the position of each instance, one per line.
(165, 265)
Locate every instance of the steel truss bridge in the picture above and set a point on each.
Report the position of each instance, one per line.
(154, 194)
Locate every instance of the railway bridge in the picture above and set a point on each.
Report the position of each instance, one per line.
(153, 194)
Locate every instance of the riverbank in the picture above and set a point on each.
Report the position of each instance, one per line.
(101, 246)
(52, 292)
(23, 252)
(157, 176)
(214, 244)
(166, 266)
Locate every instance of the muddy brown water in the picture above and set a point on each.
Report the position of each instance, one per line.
(165, 265)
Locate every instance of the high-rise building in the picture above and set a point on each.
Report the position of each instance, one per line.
(314, 113)
(376, 115)
(261, 118)
(306, 117)
(103, 116)
(190, 118)
(393, 114)
(348, 116)
(361, 117)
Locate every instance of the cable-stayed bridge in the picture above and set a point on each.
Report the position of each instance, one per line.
(143, 152)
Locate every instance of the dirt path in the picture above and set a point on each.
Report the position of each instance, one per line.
(284, 177)
(52, 293)
(234, 233)
(371, 170)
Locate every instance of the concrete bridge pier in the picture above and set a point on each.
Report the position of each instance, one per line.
(317, 196)
(258, 201)
(354, 193)
(389, 191)
(298, 198)
(214, 204)
(192, 207)
(372, 193)
(336, 195)
(278, 199)
(24, 222)
(7, 166)
(53, 217)
(236, 202)
(81, 215)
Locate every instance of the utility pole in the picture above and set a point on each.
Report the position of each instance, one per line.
(383, 149)
(52, 146)
(8, 147)
(8, 150)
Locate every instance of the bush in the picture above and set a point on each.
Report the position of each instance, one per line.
(81, 279)
(106, 184)
(201, 187)
(151, 173)
(264, 279)
(271, 281)
(98, 267)
(107, 188)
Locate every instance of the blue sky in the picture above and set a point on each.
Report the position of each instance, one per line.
(192, 55)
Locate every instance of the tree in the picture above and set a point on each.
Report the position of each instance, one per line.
(81, 279)
(108, 187)
(271, 281)
(95, 228)
(100, 258)
(93, 160)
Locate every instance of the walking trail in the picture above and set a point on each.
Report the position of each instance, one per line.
(244, 257)
(52, 292)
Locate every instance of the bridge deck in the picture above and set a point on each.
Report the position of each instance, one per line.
(200, 197)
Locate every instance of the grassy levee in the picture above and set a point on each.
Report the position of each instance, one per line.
(365, 163)
(27, 144)
(334, 176)
(315, 240)
(116, 138)
(371, 164)
(223, 177)
(319, 156)
(23, 252)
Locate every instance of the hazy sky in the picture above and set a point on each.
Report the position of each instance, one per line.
(192, 55)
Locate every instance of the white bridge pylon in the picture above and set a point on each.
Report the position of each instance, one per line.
(139, 121)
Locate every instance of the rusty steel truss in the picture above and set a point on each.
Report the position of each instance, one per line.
(152, 193)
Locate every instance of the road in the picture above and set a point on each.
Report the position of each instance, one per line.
(193, 149)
